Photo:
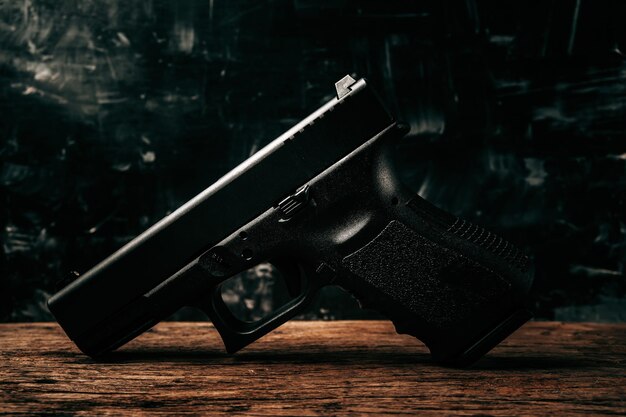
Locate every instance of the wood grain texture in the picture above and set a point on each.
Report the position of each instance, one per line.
(312, 369)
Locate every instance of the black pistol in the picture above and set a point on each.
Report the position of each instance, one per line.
(322, 203)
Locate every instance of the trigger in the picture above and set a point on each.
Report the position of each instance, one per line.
(324, 275)
(292, 275)
(294, 287)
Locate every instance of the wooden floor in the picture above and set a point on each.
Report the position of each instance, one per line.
(312, 369)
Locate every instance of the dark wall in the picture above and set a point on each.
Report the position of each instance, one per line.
(113, 113)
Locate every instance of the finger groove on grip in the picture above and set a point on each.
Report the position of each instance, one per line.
(490, 242)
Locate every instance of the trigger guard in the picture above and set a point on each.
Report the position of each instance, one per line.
(237, 334)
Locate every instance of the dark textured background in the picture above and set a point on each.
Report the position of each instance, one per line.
(113, 113)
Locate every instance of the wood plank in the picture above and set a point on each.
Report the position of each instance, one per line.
(312, 369)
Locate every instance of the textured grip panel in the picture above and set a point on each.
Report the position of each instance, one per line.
(438, 285)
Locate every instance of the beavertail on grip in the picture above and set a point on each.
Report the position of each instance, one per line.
(331, 211)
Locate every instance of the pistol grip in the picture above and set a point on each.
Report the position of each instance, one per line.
(457, 304)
